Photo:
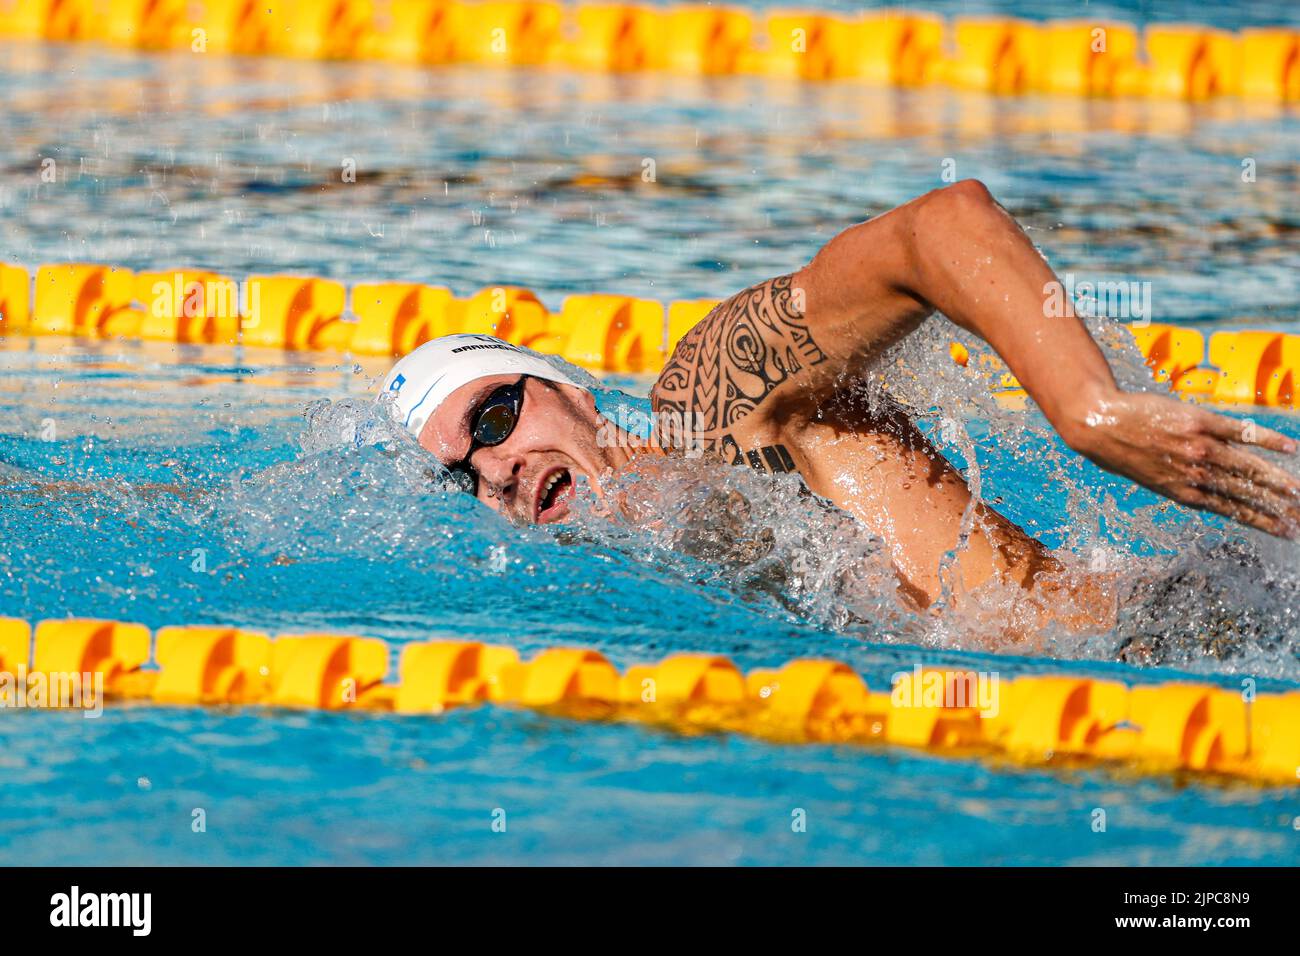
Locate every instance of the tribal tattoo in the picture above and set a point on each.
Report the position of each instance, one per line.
(773, 459)
(725, 366)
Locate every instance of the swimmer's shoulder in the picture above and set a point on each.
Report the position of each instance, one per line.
(732, 363)
(728, 384)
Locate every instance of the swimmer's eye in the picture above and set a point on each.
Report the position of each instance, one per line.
(493, 422)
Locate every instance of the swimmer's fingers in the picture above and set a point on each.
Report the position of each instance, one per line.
(1221, 488)
(1283, 516)
(1247, 433)
(1256, 492)
(1267, 476)
(1239, 511)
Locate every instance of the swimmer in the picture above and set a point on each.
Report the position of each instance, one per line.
(765, 380)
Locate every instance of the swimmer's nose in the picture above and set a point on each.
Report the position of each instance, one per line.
(500, 472)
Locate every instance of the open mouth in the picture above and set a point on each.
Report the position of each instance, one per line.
(556, 490)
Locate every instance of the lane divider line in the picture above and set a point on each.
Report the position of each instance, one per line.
(1025, 721)
(1001, 55)
(601, 332)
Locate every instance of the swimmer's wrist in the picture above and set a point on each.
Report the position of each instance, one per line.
(1086, 414)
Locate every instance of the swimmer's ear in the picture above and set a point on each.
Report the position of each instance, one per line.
(583, 397)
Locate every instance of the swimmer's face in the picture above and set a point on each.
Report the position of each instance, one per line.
(532, 475)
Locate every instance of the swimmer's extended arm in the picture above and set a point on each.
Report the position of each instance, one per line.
(957, 251)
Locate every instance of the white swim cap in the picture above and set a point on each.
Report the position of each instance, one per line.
(422, 380)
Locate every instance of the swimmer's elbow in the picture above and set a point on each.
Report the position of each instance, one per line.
(969, 193)
(943, 227)
(939, 224)
(894, 270)
(963, 203)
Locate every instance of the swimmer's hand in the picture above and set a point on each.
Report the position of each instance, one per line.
(1190, 455)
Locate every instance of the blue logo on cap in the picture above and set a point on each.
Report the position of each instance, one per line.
(397, 383)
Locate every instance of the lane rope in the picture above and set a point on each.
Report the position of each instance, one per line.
(1025, 721)
(601, 332)
(1080, 57)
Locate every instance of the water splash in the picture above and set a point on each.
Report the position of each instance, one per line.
(763, 536)
(1179, 590)
(357, 500)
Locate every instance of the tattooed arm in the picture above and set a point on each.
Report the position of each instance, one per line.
(733, 361)
(778, 352)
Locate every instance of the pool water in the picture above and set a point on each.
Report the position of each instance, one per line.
(182, 484)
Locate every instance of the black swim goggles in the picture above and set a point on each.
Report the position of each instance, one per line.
(491, 424)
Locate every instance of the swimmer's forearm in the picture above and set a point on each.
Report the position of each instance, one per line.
(974, 263)
(956, 250)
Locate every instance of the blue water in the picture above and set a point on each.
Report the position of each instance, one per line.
(1247, 13)
(470, 177)
(234, 165)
